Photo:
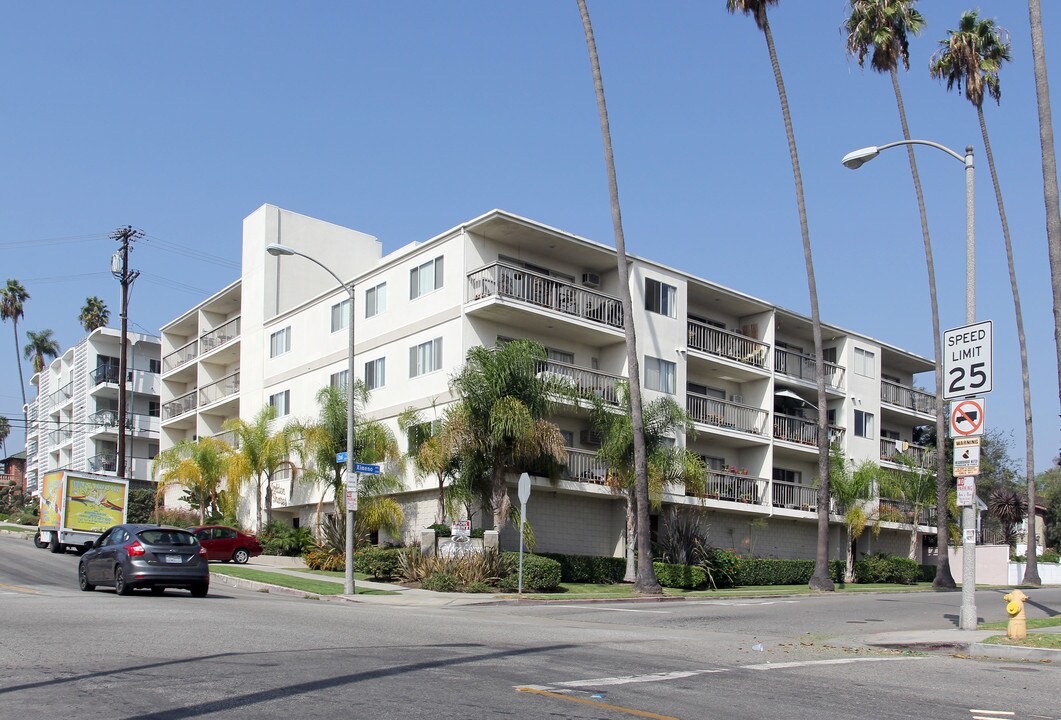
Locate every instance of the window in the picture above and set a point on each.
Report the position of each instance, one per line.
(376, 300)
(425, 357)
(660, 298)
(153, 408)
(376, 373)
(420, 433)
(338, 380)
(829, 355)
(865, 363)
(425, 278)
(789, 476)
(154, 366)
(660, 375)
(561, 356)
(280, 342)
(282, 402)
(341, 315)
(715, 464)
(863, 424)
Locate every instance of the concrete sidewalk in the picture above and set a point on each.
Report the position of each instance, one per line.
(961, 642)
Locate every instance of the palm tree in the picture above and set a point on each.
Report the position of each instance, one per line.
(500, 420)
(41, 346)
(853, 492)
(261, 453)
(820, 580)
(914, 486)
(1009, 509)
(646, 582)
(974, 54)
(5, 430)
(12, 307)
(94, 314)
(198, 466)
(883, 28)
(668, 463)
(434, 451)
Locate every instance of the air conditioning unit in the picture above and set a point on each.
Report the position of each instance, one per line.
(736, 398)
(591, 280)
(590, 437)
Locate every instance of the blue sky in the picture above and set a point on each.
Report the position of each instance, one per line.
(402, 119)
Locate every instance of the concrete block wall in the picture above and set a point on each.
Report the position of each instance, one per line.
(572, 524)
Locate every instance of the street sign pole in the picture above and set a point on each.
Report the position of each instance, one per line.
(524, 495)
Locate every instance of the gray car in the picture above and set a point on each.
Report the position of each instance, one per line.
(127, 557)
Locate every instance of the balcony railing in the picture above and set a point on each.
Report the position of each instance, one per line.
(907, 397)
(223, 388)
(920, 455)
(803, 431)
(230, 437)
(723, 343)
(219, 336)
(133, 421)
(805, 367)
(794, 496)
(585, 382)
(180, 356)
(735, 487)
(105, 374)
(62, 394)
(585, 466)
(60, 436)
(518, 284)
(181, 405)
(904, 512)
(104, 462)
(728, 415)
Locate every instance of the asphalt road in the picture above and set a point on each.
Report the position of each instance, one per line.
(244, 654)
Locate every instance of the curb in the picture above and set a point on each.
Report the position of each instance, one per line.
(1010, 652)
(16, 533)
(245, 584)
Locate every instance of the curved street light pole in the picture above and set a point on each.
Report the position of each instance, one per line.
(277, 250)
(857, 159)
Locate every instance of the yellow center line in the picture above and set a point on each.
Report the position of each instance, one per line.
(16, 588)
(585, 701)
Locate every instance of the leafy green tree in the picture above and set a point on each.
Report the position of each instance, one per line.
(914, 487)
(40, 348)
(1049, 484)
(198, 467)
(821, 578)
(141, 504)
(94, 314)
(853, 492)
(881, 29)
(973, 54)
(434, 452)
(262, 451)
(668, 463)
(13, 298)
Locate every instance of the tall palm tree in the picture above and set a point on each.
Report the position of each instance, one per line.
(262, 451)
(973, 54)
(667, 462)
(501, 420)
(198, 466)
(820, 580)
(852, 491)
(882, 29)
(41, 347)
(5, 430)
(646, 582)
(94, 314)
(12, 307)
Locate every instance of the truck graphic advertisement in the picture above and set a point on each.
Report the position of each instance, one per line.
(51, 501)
(76, 507)
(94, 505)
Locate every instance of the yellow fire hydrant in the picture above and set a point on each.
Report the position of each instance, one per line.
(1017, 629)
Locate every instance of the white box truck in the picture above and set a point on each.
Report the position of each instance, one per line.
(76, 507)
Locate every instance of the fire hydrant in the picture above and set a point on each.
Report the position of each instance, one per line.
(1017, 629)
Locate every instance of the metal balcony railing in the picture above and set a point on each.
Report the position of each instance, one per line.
(103, 462)
(727, 344)
(219, 336)
(805, 367)
(907, 397)
(229, 437)
(223, 388)
(585, 466)
(727, 415)
(794, 496)
(180, 356)
(61, 395)
(60, 436)
(902, 511)
(505, 281)
(179, 406)
(803, 431)
(920, 455)
(735, 487)
(585, 381)
(105, 374)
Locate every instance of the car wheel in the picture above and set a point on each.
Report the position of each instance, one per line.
(82, 579)
(120, 585)
(199, 590)
(55, 546)
(241, 556)
(38, 542)
(157, 590)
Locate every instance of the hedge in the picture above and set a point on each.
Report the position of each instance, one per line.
(881, 568)
(378, 562)
(771, 571)
(539, 573)
(589, 568)
(686, 577)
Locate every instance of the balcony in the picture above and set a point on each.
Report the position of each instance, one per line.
(219, 390)
(104, 462)
(802, 431)
(804, 367)
(904, 512)
(105, 374)
(134, 422)
(586, 382)
(61, 395)
(180, 406)
(794, 496)
(219, 336)
(735, 487)
(230, 438)
(542, 292)
(60, 436)
(180, 356)
(585, 466)
(725, 344)
(908, 398)
(920, 455)
(136, 466)
(726, 415)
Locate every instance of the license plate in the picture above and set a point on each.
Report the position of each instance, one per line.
(174, 559)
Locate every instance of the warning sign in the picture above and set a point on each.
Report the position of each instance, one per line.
(966, 459)
(967, 418)
(966, 491)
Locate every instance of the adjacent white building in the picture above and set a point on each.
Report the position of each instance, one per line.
(73, 421)
(741, 366)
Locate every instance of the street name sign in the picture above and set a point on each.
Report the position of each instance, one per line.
(967, 418)
(967, 360)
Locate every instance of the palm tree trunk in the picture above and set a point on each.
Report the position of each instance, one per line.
(441, 514)
(268, 498)
(943, 578)
(820, 580)
(258, 502)
(631, 537)
(913, 540)
(18, 359)
(499, 502)
(1031, 570)
(646, 576)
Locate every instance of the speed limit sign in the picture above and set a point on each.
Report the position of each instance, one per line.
(967, 360)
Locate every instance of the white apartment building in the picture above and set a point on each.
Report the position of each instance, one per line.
(742, 367)
(73, 421)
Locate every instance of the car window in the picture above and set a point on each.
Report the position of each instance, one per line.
(105, 538)
(226, 533)
(117, 537)
(203, 534)
(167, 537)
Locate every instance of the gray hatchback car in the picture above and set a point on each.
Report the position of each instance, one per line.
(127, 557)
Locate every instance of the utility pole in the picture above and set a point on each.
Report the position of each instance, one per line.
(120, 270)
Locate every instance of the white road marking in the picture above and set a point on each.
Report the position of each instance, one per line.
(993, 713)
(812, 663)
(735, 603)
(590, 607)
(629, 679)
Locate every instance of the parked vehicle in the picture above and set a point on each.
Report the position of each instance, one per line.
(225, 543)
(77, 506)
(127, 557)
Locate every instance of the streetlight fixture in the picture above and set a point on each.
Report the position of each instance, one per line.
(278, 250)
(857, 159)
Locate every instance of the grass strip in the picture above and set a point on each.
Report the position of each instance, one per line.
(591, 591)
(332, 573)
(18, 528)
(1050, 641)
(308, 585)
(1033, 624)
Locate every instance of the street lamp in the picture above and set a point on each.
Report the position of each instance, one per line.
(857, 159)
(277, 250)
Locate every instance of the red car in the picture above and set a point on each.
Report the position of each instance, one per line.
(225, 543)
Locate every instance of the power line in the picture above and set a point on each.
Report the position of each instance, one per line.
(178, 249)
(65, 240)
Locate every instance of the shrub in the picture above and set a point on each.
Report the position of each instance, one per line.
(881, 568)
(484, 568)
(178, 517)
(441, 582)
(589, 568)
(539, 573)
(141, 505)
(927, 574)
(441, 530)
(377, 562)
(775, 571)
(680, 576)
(1050, 556)
(320, 558)
(278, 538)
(721, 567)
(478, 587)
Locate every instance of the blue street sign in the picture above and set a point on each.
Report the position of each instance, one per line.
(366, 468)
(340, 457)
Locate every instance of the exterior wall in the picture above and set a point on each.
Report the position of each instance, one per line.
(992, 564)
(571, 524)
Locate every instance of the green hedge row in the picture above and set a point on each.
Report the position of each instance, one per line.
(882, 568)
(589, 568)
(378, 562)
(686, 577)
(771, 571)
(539, 573)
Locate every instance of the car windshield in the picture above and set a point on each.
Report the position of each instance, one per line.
(166, 537)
